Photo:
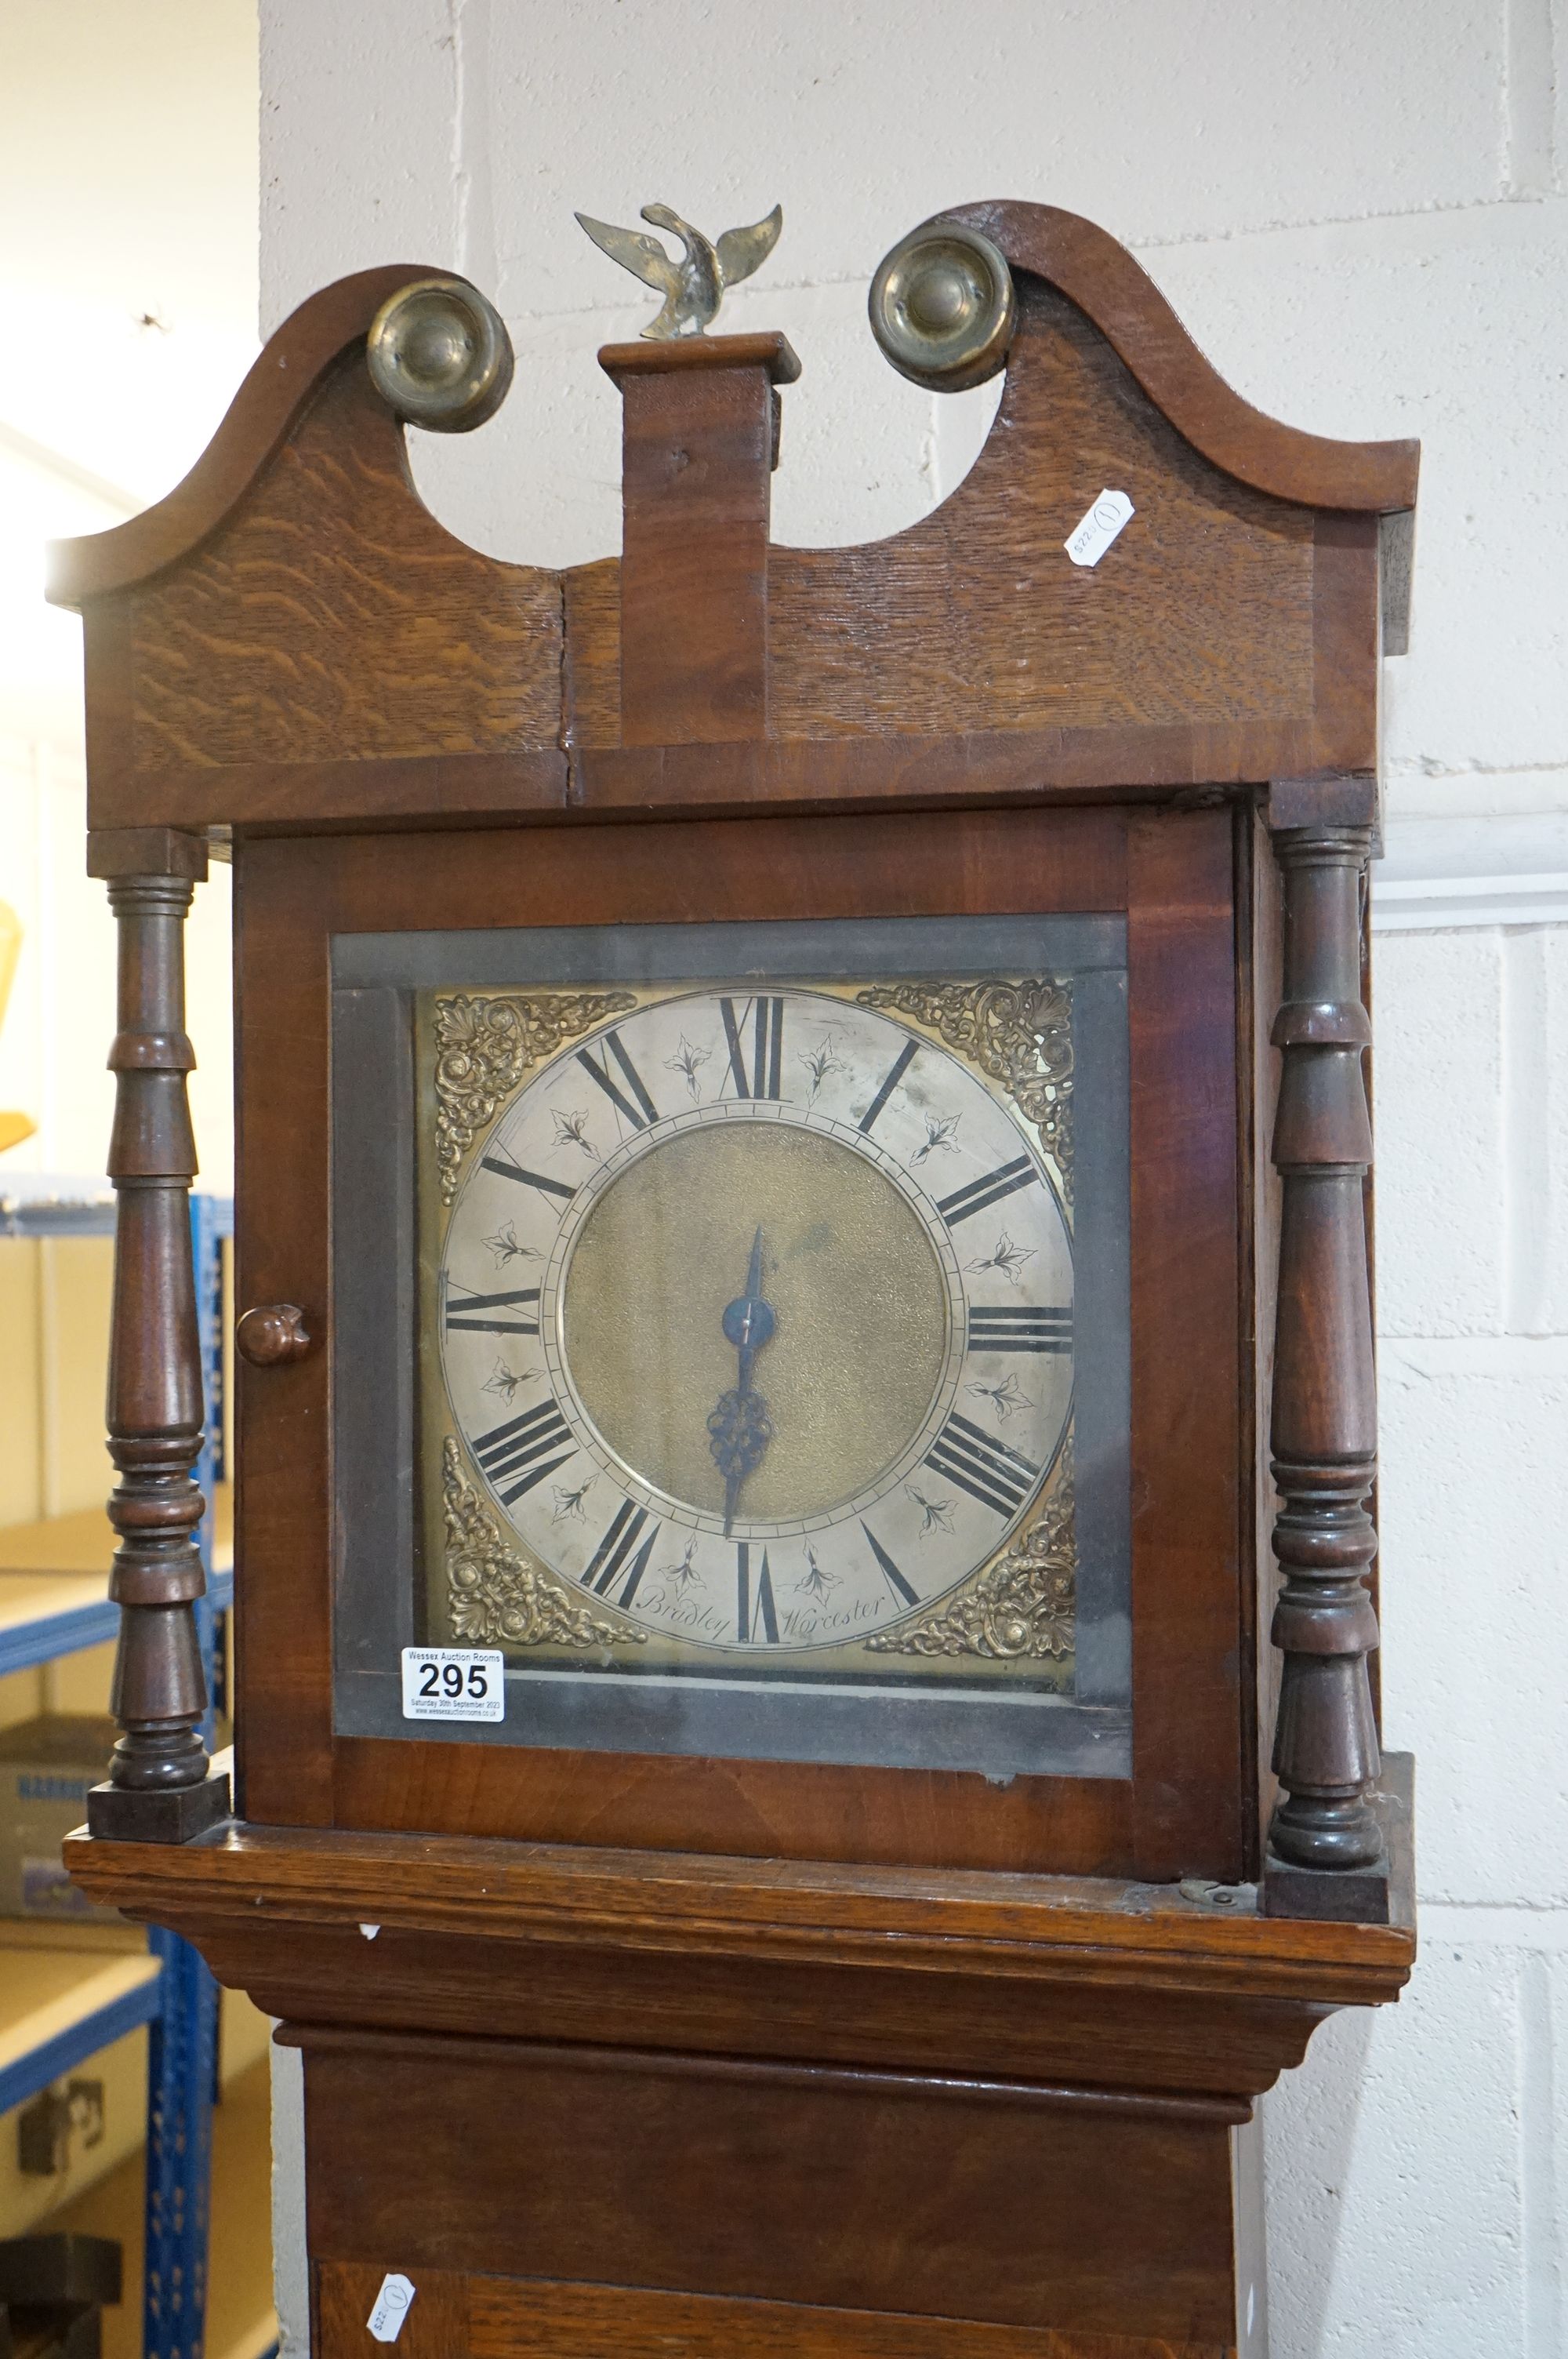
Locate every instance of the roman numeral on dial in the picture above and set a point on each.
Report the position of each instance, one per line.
(639, 1113)
(891, 1079)
(502, 1163)
(464, 1313)
(987, 1470)
(1005, 1180)
(1023, 1327)
(528, 1448)
(890, 1573)
(764, 1020)
(614, 1553)
(754, 1597)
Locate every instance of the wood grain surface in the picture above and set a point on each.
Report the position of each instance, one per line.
(510, 2317)
(697, 463)
(331, 617)
(999, 1927)
(1262, 911)
(939, 2102)
(1192, 1537)
(623, 2057)
(926, 2195)
(1192, 1526)
(1049, 768)
(1345, 646)
(282, 1639)
(1114, 290)
(290, 899)
(1074, 256)
(279, 385)
(1326, 1842)
(974, 618)
(1131, 1991)
(306, 646)
(159, 1787)
(766, 349)
(787, 1810)
(1222, 2046)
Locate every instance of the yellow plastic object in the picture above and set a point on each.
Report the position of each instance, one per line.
(14, 1127)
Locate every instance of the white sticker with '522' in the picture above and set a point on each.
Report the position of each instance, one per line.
(453, 1683)
(1093, 533)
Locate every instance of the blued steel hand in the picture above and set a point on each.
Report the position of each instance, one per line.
(740, 1429)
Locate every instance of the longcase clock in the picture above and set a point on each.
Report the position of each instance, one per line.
(807, 1744)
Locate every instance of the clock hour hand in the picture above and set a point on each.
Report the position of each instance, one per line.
(740, 1427)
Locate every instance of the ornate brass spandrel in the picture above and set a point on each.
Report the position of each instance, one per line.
(486, 1047)
(496, 1596)
(1020, 1034)
(1020, 1607)
(693, 287)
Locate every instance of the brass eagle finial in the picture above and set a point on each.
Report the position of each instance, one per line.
(694, 287)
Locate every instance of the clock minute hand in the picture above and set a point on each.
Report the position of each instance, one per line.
(740, 1427)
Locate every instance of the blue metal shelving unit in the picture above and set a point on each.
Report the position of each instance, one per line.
(179, 2004)
(52, 2058)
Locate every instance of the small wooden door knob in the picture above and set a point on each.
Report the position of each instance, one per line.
(272, 1333)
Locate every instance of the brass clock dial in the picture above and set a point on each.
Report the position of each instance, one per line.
(755, 1317)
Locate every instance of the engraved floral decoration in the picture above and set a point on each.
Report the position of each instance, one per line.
(816, 1583)
(504, 1246)
(485, 1047)
(688, 1061)
(497, 1597)
(1006, 1395)
(820, 1063)
(1023, 1606)
(936, 1514)
(1020, 1034)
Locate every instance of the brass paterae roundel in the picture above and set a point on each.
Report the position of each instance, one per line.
(440, 356)
(943, 306)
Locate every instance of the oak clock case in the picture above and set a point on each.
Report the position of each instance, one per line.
(767, 1978)
(772, 1336)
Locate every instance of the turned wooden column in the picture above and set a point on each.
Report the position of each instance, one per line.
(1327, 1854)
(159, 1788)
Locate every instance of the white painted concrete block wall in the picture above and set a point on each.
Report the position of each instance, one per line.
(55, 1039)
(127, 235)
(1362, 216)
